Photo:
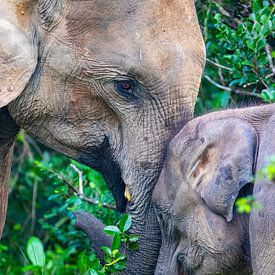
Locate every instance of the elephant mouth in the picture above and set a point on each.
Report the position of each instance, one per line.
(112, 175)
(117, 188)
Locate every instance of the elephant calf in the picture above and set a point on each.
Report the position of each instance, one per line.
(209, 164)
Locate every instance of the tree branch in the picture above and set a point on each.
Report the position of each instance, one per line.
(218, 65)
(80, 192)
(270, 61)
(33, 211)
(217, 84)
(226, 13)
(236, 91)
(80, 179)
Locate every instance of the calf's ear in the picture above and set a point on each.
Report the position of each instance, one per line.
(224, 163)
(17, 60)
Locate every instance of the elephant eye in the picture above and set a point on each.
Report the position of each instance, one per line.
(125, 87)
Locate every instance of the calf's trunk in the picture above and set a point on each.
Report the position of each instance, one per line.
(143, 261)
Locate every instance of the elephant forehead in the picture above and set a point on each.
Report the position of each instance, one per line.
(142, 32)
(129, 16)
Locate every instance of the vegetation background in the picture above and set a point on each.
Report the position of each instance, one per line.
(45, 187)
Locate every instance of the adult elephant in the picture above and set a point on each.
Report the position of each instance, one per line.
(104, 82)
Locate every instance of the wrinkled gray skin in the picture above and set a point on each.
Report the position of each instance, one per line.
(107, 83)
(209, 164)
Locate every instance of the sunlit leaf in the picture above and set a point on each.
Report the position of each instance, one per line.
(35, 252)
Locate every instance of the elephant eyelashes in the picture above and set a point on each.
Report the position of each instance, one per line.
(125, 87)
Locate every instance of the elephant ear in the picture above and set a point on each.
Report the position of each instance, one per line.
(17, 60)
(224, 164)
(5, 166)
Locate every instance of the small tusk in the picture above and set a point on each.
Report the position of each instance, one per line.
(127, 194)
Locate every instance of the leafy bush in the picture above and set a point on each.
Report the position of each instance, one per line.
(269, 171)
(40, 262)
(246, 204)
(45, 189)
(60, 187)
(239, 36)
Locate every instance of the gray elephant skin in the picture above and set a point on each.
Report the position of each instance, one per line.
(210, 163)
(107, 83)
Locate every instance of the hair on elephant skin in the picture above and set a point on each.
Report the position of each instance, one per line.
(209, 164)
(107, 83)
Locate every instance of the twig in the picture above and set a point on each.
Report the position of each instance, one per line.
(33, 212)
(242, 92)
(269, 57)
(82, 195)
(220, 74)
(226, 13)
(237, 91)
(217, 84)
(34, 145)
(205, 23)
(218, 65)
(80, 179)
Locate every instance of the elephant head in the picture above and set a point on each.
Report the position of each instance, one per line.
(107, 83)
(209, 163)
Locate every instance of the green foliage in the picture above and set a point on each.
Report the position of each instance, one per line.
(115, 260)
(119, 233)
(35, 252)
(41, 262)
(41, 203)
(60, 186)
(240, 58)
(269, 171)
(246, 204)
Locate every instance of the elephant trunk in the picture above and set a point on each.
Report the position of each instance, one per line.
(94, 230)
(143, 261)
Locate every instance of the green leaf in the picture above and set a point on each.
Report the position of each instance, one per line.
(34, 268)
(125, 222)
(83, 263)
(54, 196)
(35, 252)
(93, 272)
(270, 172)
(111, 230)
(234, 82)
(20, 137)
(115, 254)
(250, 44)
(133, 238)
(107, 250)
(116, 242)
(268, 95)
(247, 63)
(133, 246)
